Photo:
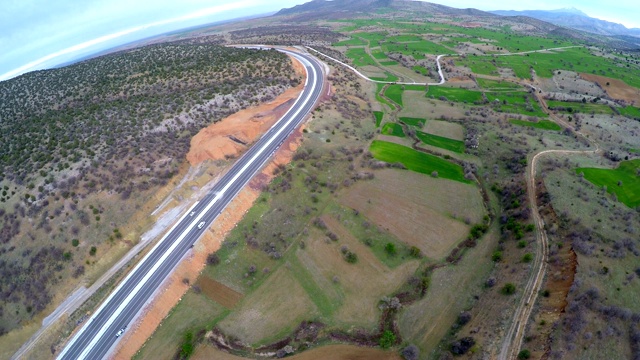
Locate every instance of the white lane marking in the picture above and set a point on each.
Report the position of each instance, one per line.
(150, 273)
(97, 312)
(143, 282)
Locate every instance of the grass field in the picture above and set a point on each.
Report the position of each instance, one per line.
(427, 212)
(497, 85)
(381, 99)
(258, 315)
(351, 300)
(454, 94)
(631, 111)
(389, 77)
(574, 59)
(579, 107)
(416, 161)
(393, 129)
(542, 124)
(420, 69)
(416, 49)
(360, 57)
(516, 103)
(186, 316)
(379, 116)
(445, 129)
(417, 122)
(627, 173)
(354, 41)
(441, 142)
(394, 92)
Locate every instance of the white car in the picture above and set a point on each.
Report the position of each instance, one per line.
(192, 213)
(120, 332)
(201, 225)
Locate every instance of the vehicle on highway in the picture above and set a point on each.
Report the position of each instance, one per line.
(192, 213)
(201, 225)
(120, 332)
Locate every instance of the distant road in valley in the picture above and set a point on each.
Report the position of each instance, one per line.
(98, 337)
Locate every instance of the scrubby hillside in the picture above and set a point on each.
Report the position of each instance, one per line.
(84, 145)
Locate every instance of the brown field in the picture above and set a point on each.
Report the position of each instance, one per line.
(426, 321)
(279, 303)
(617, 89)
(361, 285)
(218, 292)
(416, 106)
(329, 352)
(446, 129)
(422, 214)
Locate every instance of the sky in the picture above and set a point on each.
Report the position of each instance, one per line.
(41, 34)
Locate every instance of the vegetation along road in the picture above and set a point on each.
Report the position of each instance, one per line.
(102, 330)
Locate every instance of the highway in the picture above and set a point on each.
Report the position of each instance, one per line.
(98, 335)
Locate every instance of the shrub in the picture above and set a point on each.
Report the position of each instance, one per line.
(524, 354)
(522, 244)
(464, 317)
(387, 339)
(496, 256)
(415, 252)
(527, 258)
(92, 251)
(390, 248)
(460, 347)
(351, 257)
(491, 282)
(213, 259)
(75, 242)
(411, 352)
(508, 289)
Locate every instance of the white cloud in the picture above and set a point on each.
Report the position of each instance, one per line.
(54, 58)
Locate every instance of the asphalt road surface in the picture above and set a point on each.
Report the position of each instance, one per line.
(98, 336)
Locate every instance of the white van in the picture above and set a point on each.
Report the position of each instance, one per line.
(201, 225)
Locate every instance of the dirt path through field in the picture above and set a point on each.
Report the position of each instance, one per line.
(513, 340)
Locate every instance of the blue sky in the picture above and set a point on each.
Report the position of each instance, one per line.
(40, 34)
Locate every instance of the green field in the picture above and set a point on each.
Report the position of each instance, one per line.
(392, 129)
(379, 55)
(627, 173)
(418, 122)
(390, 77)
(360, 57)
(388, 63)
(379, 115)
(497, 85)
(455, 95)
(574, 59)
(381, 99)
(515, 103)
(394, 92)
(421, 70)
(579, 107)
(416, 161)
(542, 124)
(354, 41)
(441, 142)
(416, 49)
(631, 111)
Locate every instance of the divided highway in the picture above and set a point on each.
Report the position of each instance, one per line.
(98, 335)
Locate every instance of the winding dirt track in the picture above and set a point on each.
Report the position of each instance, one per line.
(512, 342)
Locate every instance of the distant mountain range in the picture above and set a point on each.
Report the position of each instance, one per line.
(575, 19)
